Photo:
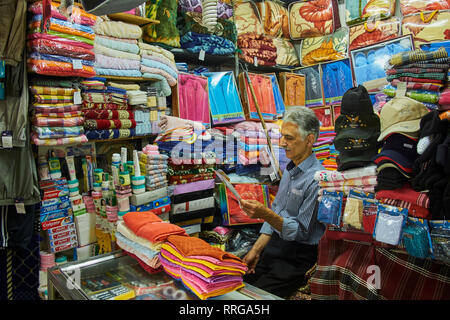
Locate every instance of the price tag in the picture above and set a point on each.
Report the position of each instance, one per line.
(327, 111)
(20, 206)
(7, 140)
(201, 56)
(77, 97)
(77, 65)
(255, 61)
(401, 89)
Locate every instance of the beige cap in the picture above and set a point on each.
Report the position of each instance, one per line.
(401, 115)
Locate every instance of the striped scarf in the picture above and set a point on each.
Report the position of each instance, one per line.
(415, 56)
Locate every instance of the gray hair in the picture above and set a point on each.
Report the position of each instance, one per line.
(305, 119)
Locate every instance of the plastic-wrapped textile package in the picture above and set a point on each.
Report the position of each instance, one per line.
(371, 33)
(166, 31)
(248, 19)
(408, 7)
(61, 47)
(191, 100)
(262, 87)
(354, 207)
(358, 12)
(275, 18)
(369, 215)
(225, 104)
(440, 239)
(330, 207)
(279, 102)
(389, 224)
(314, 90)
(78, 15)
(416, 238)
(57, 68)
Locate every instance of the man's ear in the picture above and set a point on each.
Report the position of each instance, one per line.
(311, 139)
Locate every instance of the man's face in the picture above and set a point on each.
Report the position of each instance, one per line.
(295, 145)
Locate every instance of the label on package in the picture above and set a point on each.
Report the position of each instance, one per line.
(68, 227)
(57, 223)
(62, 235)
(54, 204)
(56, 215)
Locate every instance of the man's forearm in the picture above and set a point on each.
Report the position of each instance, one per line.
(273, 219)
(261, 242)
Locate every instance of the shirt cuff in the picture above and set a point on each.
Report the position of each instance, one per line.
(290, 229)
(266, 229)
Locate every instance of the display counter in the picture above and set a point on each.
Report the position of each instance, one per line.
(117, 276)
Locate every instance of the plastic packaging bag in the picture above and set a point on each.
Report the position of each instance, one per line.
(440, 239)
(369, 215)
(389, 224)
(353, 212)
(416, 238)
(330, 207)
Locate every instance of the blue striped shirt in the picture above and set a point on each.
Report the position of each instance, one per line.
(296, 202)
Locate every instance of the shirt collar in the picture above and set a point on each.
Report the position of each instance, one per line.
(303, 166)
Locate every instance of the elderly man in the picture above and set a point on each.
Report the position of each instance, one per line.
(287, 246)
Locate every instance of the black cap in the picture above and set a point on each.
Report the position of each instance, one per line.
(356, 101)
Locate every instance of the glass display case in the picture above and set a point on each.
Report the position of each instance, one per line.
(117, 276)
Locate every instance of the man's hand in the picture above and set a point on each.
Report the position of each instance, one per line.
(253, 208)
(251, 259)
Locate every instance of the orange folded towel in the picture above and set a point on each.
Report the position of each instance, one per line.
(135, 220)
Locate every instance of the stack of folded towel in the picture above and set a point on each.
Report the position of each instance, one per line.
(154, 165)
(158, 63)
(205, 270)
(425, 74)
(108, 114)
(57, 119)
(64, 47)
(116, 49)
(141, 235)
(324, 148)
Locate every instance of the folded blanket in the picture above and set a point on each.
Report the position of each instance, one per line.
(150, 257)
(171, 81)
(162, 83)
(124, 86)
(52, 91)
(45, 98)
(419, 85)
(158, 65)
(62, 38)
(46, 46)
(108, 114)
(59, 141)
(97, 97)
(116, 44)
(106, 62)
(415, 70)
(55, 68)
(57, 132)
(325, 175)
(211, 44)
(130, 235)
(425, 75)
(110, 134)
(58, 122)
(78, 15)
(57, 27)
(53, 112)
(65, 23)
(416, 79)
(57, 34)
(104, 106)
(403, 58)
(346, 189)
(445, 97)
(160, 59)
(118, 29)
(365, 181)
(99, 49)
(414, 94)
(91, 124)
(119, 73)
(53, 57)
(156, 50)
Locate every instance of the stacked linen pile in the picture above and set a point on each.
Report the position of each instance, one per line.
(64, 47)
(116, 49)
(108, 114)
(226, 145)
(154, 165)
(325, 151)
(141, 235)
(158, 63)
(191, 170)
(57, 120)
(205, 270)
(217, 38)
(425, 74)
(252, 140)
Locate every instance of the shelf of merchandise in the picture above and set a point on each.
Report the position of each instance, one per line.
(127, 78)
(133, 19)
(124, 139)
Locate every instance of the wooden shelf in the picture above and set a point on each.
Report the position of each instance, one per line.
(131, 18)
(124, 139)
